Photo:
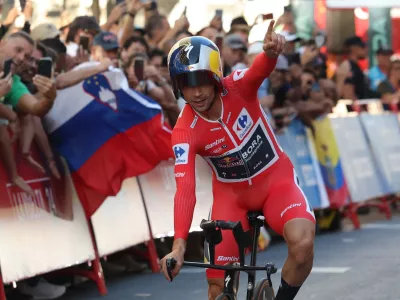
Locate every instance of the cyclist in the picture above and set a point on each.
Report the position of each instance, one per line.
(225, 124)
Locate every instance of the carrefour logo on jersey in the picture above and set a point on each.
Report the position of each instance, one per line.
(243, 124)
(181, 153)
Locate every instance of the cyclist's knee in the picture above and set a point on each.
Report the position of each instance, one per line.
(299, 235)
(215, 287)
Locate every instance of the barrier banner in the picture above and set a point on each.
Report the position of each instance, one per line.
(383, 132)
(159, 190)
(45, 232)
(358, 163)
(50, 195)
(329, 162)
(294, 142)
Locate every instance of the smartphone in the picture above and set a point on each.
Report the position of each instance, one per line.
(219, 41)
(268, 17)
(7, 67)
(84, 42)
(45, 66)
(139, 69)
(219, 12)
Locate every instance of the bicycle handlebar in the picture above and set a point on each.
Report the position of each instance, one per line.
(224, 225)
(171, 263)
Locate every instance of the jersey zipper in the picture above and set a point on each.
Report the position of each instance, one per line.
(237, 147)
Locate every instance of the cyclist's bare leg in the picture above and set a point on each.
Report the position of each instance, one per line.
(215, 287)
(299, 235)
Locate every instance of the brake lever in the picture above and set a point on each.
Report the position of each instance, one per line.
(171, 263)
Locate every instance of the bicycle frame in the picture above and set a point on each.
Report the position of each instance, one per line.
(243, 240)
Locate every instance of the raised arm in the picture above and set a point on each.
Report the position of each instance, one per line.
(248, 81)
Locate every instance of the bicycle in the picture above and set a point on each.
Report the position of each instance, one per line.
(263, 290)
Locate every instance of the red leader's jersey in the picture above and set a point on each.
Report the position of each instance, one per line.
(240, 147)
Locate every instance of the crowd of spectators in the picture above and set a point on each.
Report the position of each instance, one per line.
(298, 87)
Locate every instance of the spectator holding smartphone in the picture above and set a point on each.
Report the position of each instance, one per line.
(152, 84)
(19, 47)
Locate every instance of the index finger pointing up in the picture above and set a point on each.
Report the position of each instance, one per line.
(268, 36)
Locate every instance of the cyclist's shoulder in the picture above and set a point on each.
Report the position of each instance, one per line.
(185, 118)
(184, 127)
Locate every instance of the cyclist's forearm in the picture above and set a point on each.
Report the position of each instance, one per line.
(183, 213)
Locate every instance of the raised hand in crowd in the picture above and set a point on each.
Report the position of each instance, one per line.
(28, 10)
(182, 24)
(310, 53)
(11, 17)
(46, 86)
(134, 6)
(216, 23)
(115, 15)
(163, 94)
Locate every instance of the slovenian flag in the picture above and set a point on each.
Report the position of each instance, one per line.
(107, 132)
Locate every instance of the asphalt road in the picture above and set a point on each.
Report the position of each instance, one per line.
(351, 265)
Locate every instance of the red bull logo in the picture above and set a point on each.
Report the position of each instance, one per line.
(229, 162)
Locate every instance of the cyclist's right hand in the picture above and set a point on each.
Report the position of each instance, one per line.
(178, 255)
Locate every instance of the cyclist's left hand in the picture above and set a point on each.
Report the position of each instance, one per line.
(273, 42)
(179, 257)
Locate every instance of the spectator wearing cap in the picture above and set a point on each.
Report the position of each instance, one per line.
(350, 79)
(379, 73)
(240, 26)
(289, 49)
(105, 45)
(49, 36)
(233, 52)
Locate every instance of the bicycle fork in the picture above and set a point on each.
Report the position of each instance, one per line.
(231, 282)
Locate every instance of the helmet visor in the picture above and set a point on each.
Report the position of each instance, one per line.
(193, 79)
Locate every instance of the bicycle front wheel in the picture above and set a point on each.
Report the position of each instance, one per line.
(263, 291)
(226, 297)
